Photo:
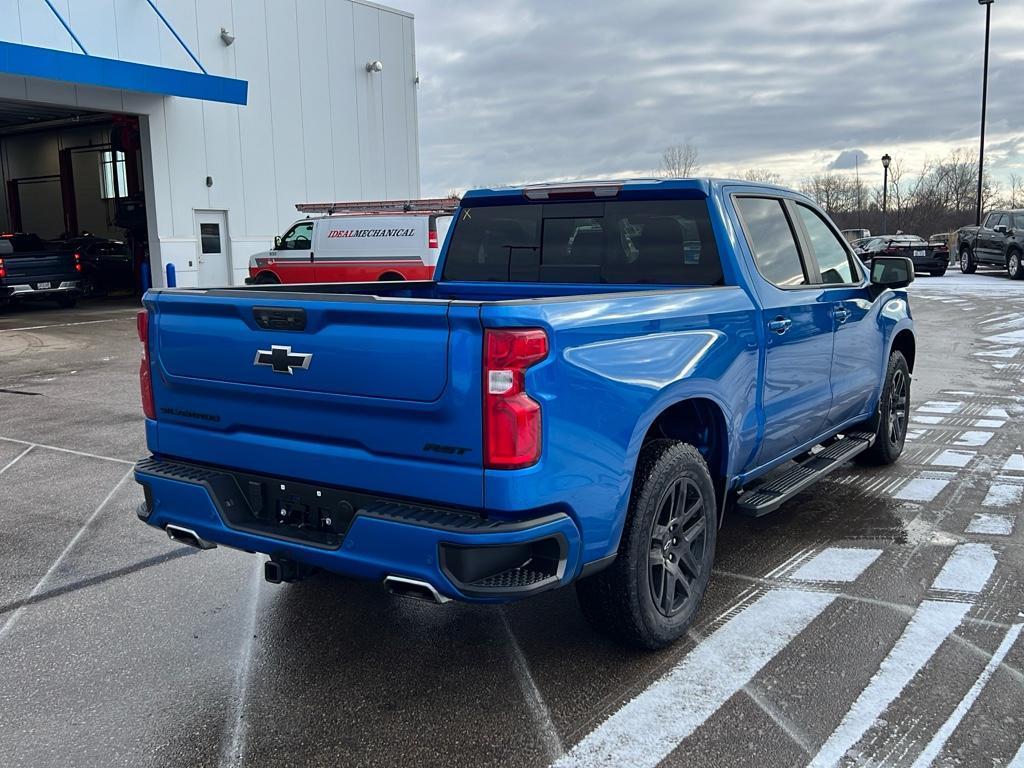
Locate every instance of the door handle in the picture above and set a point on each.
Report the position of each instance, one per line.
(779, 325)
(842, 314)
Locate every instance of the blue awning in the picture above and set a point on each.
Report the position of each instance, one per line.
(82, 69)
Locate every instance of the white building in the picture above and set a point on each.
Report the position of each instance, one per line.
(300, 101)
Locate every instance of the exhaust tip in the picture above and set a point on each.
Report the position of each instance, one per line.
(187, 536)
(415, 589)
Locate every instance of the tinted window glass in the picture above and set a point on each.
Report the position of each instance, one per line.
(660, 242)
(992, 220)
(772, 241)
(828, 249)
(210, 237)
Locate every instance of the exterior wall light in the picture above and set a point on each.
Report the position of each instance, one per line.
(374, 66)
(226, 37)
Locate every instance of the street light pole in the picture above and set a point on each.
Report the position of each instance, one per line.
(984, 101)
(885, 191)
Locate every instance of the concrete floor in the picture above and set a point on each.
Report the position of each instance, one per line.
(872, 620)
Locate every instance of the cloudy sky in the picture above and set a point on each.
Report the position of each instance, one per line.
(530, 90)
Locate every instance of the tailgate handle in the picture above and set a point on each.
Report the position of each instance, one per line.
(280, 318)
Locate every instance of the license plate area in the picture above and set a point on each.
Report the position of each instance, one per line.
(920, 254)
(286, 509)
(43, 286)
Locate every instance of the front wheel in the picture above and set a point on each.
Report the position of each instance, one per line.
(890, 421)
(967, 263)
(1014, 267)
(938, 272)
(650, 594)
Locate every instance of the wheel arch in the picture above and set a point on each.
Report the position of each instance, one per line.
(906, 343)
(268, 276)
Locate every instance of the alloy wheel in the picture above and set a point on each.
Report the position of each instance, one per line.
(677, 542)
(897, 408)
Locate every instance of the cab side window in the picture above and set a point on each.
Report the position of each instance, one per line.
(772, 241)
(992, 220)
(828, 250)
(298, 238)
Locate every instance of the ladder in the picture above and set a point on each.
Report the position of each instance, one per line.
(435, 205)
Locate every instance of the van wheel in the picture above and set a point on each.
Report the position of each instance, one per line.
(890, 421)
(390, 277)
(967, 263)
(267, 278)
(650, 594)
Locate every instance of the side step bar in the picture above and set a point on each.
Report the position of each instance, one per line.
(769, 496)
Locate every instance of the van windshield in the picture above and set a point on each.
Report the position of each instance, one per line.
(631, 242)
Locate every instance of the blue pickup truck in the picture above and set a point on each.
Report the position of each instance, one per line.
(598, 374)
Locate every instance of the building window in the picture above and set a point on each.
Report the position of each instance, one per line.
(113, 179)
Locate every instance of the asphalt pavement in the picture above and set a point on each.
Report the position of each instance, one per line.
(873, 620)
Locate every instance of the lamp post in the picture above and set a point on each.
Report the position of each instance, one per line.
(885, 190)
(984, 100)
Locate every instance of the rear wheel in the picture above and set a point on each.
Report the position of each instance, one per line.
(650, 594)
(1014, 266)
(967, 263)
(890, 422)
(938, 272)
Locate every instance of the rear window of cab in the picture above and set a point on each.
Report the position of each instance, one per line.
(620, 242)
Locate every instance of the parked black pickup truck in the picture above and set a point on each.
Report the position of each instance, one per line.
(32, 268)
(999, 242)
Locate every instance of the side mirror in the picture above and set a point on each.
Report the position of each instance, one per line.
(892, 271)
(1000, 229)
(277, 242)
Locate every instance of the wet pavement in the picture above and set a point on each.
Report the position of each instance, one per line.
(873, 620)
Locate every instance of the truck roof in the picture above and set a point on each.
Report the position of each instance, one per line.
(602, 188)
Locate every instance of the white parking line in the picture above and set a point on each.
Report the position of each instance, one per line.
(65, 450)
(930, 625)
(941, 406)
(927, 757)
(924, 487)
(837, 564)
(542, 719)
(649, 727)
(63, 325)
(14, 461)
(1017, 761)
(952, 458)
(13, 618)
(968, 568)
(973, 438)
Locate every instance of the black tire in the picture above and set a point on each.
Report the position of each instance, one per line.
(890, 422)
(390, 277)
(938, 272)
(1015, 265)
(67, 302)
(635, 600)
(967, 263)
(267, 278)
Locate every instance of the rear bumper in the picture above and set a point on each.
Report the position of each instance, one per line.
(463, 555)
(29, 290)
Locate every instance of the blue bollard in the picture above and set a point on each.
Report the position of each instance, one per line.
(144, 276)
(172, 281)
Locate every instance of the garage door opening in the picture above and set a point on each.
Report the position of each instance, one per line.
(72, 180)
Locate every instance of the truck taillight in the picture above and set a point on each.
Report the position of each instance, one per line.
(78, 261)
(432, 239)
(512, 419)
(3, 269)
(145, 374)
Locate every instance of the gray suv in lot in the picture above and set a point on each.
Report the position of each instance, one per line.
(998, 242)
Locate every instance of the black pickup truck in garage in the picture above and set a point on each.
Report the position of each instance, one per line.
(32, 268)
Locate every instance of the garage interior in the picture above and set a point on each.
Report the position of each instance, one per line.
(70, 173)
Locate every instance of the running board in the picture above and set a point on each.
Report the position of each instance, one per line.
(769, 496)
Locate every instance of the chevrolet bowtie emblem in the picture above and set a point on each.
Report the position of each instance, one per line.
(282, 359)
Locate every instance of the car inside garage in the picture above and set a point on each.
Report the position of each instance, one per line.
(71, 181)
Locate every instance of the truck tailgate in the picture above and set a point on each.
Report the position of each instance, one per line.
(351, 391)
(32, 267)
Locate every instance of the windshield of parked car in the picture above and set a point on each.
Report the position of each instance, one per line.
(631, 242)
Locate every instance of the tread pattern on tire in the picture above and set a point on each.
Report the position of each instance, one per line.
(606, 598)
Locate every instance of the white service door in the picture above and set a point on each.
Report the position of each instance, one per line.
(214, 257)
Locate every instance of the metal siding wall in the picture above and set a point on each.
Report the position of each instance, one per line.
(314, 89)
(41, 28)
(394, 108)
(412, 100)
(342, 71)
(93, 22)
(138, 32)
(369, 101)
(10, 15)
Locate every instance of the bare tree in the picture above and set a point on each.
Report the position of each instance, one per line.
(679, 161)
(761, 175)
(453, 194)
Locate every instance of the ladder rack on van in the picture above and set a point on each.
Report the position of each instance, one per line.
(436, 205)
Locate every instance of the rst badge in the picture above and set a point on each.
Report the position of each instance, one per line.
(281, 359)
